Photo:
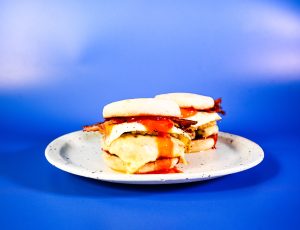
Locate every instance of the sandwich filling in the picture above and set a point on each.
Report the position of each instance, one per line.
(206, 121)
(140, 140)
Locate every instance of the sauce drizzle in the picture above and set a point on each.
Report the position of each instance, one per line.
(163, 140)
(215, 137)
(188, 112)
(164, 145)
(154, 124)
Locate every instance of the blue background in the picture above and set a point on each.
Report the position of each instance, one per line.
(60, 63)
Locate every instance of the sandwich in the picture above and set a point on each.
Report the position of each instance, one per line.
(205, 112)
(144, 135)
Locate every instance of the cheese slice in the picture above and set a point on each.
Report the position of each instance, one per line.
(203, 118)
(119, 129)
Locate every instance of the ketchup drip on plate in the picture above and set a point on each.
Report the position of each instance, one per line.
(215, 137)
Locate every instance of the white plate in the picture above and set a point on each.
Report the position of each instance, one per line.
(79, 153)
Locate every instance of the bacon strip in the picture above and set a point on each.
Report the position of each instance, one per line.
(181, 123)
(93, 128)
(217, 107)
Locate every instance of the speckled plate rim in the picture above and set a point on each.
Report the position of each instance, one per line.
(159, 178)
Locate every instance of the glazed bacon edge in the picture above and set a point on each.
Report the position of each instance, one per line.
(217, 107)
(93, 128)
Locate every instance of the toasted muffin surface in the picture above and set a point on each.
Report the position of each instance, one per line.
(186, 100)
(141, 107)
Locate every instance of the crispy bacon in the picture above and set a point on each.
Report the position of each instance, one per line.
(94, 127)
(181, 123)
(217, 107)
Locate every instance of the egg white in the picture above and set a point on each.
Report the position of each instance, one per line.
(203, 118)
(119, 129)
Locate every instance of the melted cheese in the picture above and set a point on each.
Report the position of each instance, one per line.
(119, 129)
(203, 118)
(136, 151)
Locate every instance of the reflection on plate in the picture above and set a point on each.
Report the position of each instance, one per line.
(79, 153)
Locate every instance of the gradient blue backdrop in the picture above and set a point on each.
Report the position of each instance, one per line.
(60, 62)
